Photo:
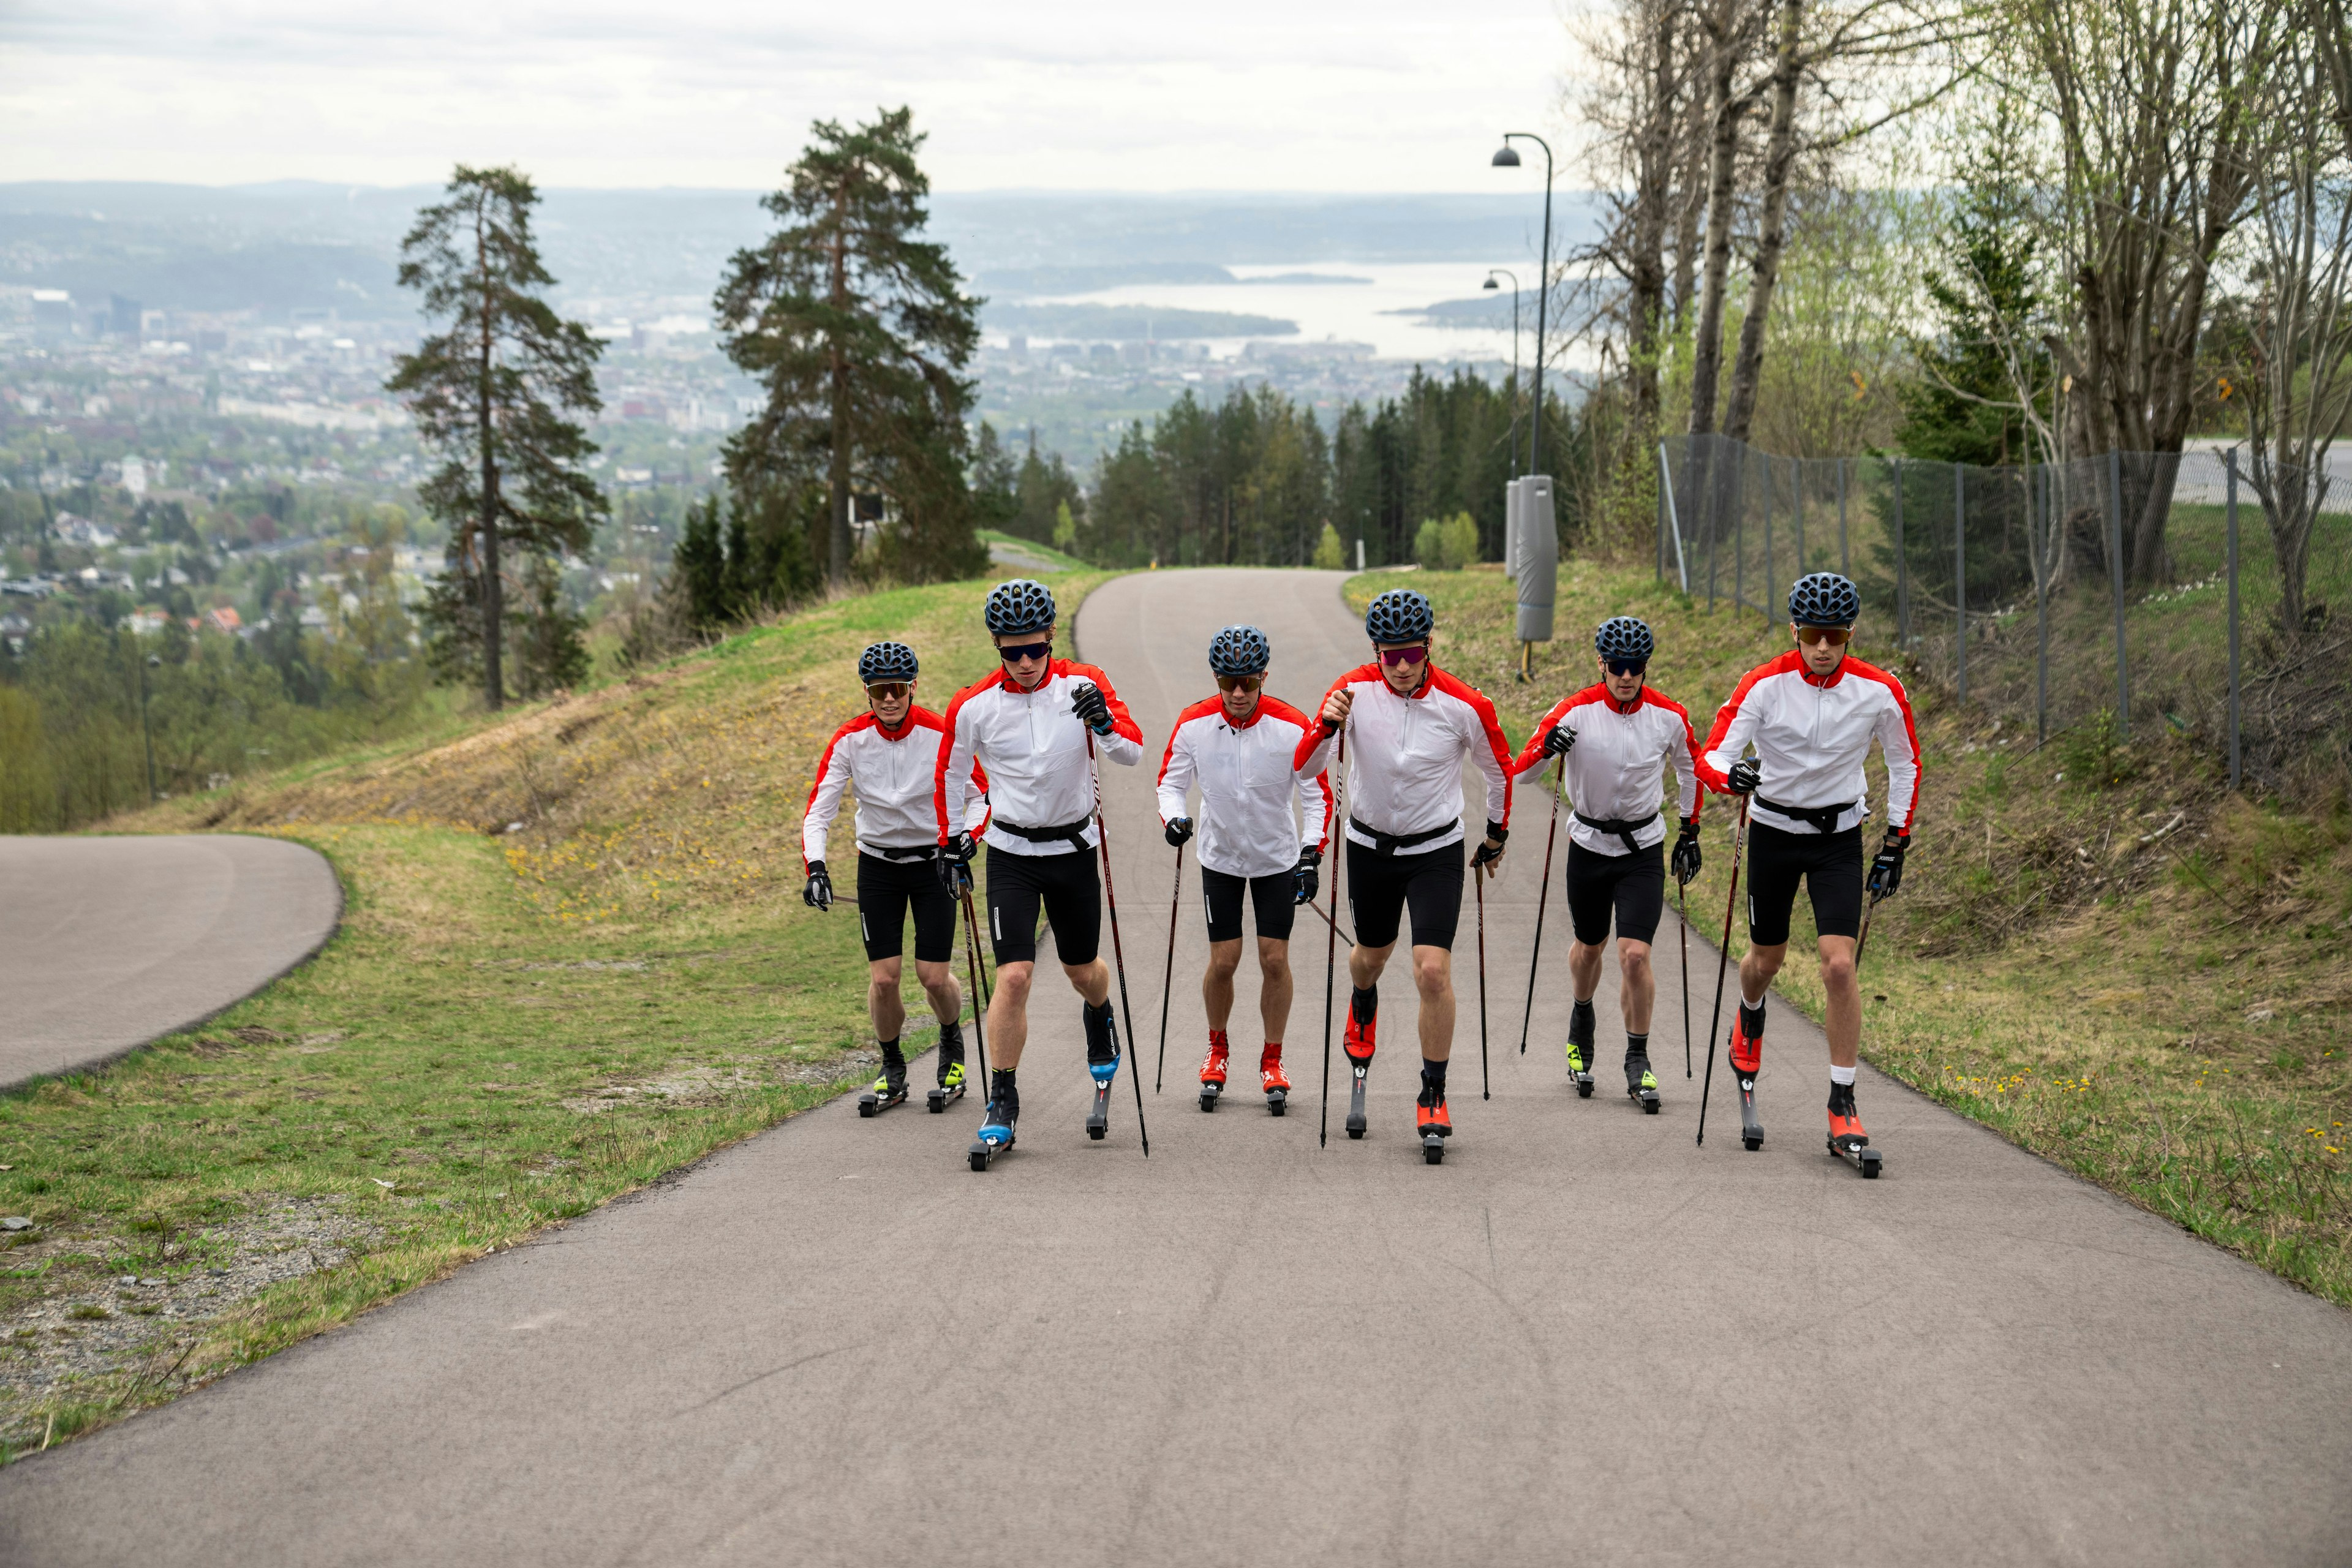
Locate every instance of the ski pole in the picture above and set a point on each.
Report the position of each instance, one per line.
(979, 964)
(1681, 908)
(1722, 960)
(1118, 957)
(1867, 910)
(1327, 920)
(1543, 893)
(979, 990)
(1168, 980)
(1478, 885)
(1331, 941)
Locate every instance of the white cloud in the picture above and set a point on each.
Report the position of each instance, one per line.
(1373, 95)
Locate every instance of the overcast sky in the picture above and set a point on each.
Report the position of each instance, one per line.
(1365, 95)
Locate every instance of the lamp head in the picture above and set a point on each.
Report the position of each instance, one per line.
(1490, 282)
(1506, 156)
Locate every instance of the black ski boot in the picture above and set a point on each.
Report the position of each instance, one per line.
(1102, 1061)
(1641, 1083)
(890, 1089)
(1579, 1049)
(950, 1087)
(997, 1127)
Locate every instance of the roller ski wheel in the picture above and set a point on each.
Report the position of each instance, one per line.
(1432, 1150)
(949, 1090)
(1642, 1085)
(1272, 1081)
(997, 1134)
(1580, 1069)
(1209, 1092)
(888, 1091)
(1847, 1141)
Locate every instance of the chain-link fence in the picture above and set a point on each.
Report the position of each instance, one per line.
(2015, 587)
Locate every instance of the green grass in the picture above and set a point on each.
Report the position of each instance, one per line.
(509, 1029)
(2161, 1012)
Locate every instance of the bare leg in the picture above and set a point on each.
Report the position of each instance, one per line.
(1637, 984)
(1008, 1014)
(1217, 980)
(1844, 994)
(1091, 981)
(940, 986)
(1756, 970)
(1432, 976)
(882, 1001)
(1365, 963)
(1273, 985)
(1584, 970)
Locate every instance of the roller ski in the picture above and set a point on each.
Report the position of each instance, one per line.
(1102, 1062)
(1641, 1083)
(1747, 1054)
(888, 1091)
(1848, 1141)
(1273, 1080)
(998, 1126)
(1431, 1120)
(1213, 1069)
(951, 1085)
(1579, 1049)
(1358, 1044)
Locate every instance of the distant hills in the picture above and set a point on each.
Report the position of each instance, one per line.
(1129, 323)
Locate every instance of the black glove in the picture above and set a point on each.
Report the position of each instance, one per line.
(1686, 855)
(1092, 709)
(818, 894)
(1492, 849)
(1306, 880)
(1178, 830)
(1887, 870)
(1745, 777)
(1558, 740)
(954, 864)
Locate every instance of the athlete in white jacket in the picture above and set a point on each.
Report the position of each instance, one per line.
(1409, 727)
(1038, 725)
(1810, 715)
(1238, 746)
(889, 753)
(1614, 740)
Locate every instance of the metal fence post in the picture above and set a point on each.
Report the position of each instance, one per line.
(1673, 519)
(1902, 574)
(1713, 515)
(1960, 580)
(1768, 531)
(2234, 755)
(2038, 476)
(1738, 530)
(2116, 578)
(1797, 500)
(1662, 524)
(1845, 563)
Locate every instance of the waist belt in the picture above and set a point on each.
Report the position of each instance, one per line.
(1074, 833)
(1819, 819)
(900, 855)
(1621, 829)
(1385, 843)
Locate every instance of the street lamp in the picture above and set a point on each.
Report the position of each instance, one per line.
(146, 729)
(1508, 157)
(1490, 284)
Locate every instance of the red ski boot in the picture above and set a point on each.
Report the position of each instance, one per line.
(1213, 1069)
(1746, 1061)
(1272, 1078)
(1848, 1141)
(1430, 1119)
(1357, 1043)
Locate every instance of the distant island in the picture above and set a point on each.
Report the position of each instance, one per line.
(1481, 312)
(1029, 282)
(1131, 323)
(1294, 278)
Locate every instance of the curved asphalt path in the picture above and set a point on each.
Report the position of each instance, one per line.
(1580, 1338)
(107, 943)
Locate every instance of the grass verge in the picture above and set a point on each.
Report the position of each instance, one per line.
(574, 958)
(2098, 951)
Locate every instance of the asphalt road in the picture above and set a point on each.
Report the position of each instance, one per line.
(1577, 1340)
(107, 943)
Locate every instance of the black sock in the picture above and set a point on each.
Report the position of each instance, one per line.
(1365, 1004)
(1003, 1091)
(1636, 1045)
(1751, 1020)
(1433, 1076)
(892, 1058)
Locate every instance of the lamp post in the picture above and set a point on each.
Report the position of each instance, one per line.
(1508, 157)
(1492, 273)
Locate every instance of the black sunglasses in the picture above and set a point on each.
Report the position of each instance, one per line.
(1624, 666)
(1013, 653)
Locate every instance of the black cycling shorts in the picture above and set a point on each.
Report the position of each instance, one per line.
(1270, 900)
(1381, 887)
(1632, 888)
(1068, 888)
(886, 889)
(1831, 866)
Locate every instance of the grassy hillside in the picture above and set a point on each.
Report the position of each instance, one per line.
(574, 958)
(2098, 951)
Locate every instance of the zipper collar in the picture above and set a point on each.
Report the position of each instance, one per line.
(1821, 682)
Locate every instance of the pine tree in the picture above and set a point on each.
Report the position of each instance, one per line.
(493, 390)
(861, 333)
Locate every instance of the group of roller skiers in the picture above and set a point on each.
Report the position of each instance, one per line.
(1012, 763)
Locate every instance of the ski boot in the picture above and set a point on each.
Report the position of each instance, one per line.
(1273, 1079)
(1848, 1141)
(1430, 1119)
(1579, 1049)
(1213, 1069)
(889, 1089)
(997, 1127)
(1746, 1061)
(950, 1086)
(1358, 1044)
(1102, 1062)
(1641, 1083)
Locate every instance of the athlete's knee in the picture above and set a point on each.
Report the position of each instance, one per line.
(1837, 968)
(1274, 960)
(1224, 959)
(1087, 977)
(1633, 958)
(935, 977)
(1013, 979)
(1433, 971)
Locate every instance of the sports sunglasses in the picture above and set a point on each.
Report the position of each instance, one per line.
(1393, 657)
(1240, 682)
(1829, 637)
(1013, 653)
(889, 690)
(1623, 667)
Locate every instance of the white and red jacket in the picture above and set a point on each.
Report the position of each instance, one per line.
(1247, 786)
(1034, 746)
(1811, 732)
(1612, 772)
(1404, 757)
(893, 773)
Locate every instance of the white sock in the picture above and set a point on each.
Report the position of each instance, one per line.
(1748, 1001)
(1841, 1075)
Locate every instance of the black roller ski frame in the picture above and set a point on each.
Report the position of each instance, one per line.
(1861, 1156)
(1357, 1071)
(1209, 1093)
(1583, 1080)
(937, 1100)
(1647, 1099)
(982, 1154)
(1751, 1131)
(1098, 1118)
(873, 1104)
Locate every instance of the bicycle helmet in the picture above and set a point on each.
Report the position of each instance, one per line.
(1024, 605)
(1398, 615)
(886, 661)
(1824, 599)
(1239, 650)
(1623, 638)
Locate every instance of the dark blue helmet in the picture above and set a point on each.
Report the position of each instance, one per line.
(1623, 638)
(1024, 605)
(1398, 615)
(886, 661)
(1824, 599)
(1239, 650)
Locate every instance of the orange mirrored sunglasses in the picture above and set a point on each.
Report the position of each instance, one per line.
(1831, 637)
